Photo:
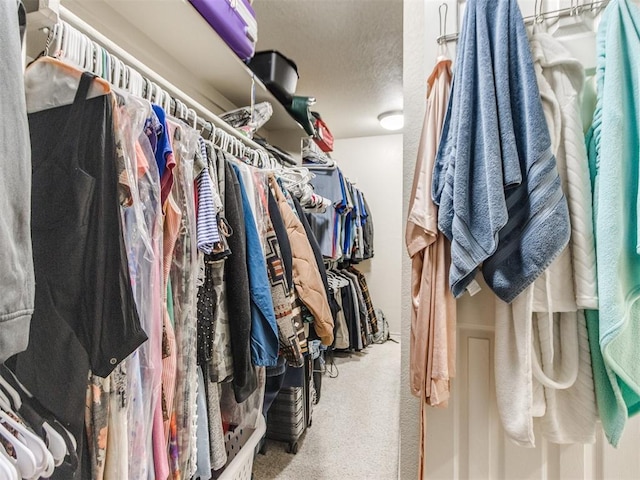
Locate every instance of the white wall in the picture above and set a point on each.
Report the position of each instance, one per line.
(374, 164)
(414, 81)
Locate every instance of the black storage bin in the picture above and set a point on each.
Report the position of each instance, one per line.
(277, 72)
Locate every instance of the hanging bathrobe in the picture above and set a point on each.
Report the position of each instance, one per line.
(433, 310)
(614, 155)
(554, 380)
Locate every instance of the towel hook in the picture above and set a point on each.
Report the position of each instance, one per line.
(576, 8)
(443, 22)
(539, 15)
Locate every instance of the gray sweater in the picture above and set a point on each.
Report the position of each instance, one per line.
(17, 283)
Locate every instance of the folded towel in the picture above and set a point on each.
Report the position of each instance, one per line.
(614, 139)
(495, 177)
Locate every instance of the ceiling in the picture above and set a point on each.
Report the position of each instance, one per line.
(348, 53)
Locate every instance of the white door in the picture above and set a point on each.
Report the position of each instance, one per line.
(466, 441)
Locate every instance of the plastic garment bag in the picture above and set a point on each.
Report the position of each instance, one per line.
(184, 275)
(142, 220)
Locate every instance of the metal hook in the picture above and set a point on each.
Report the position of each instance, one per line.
(443, 24)
(539, 16)
(576, 9)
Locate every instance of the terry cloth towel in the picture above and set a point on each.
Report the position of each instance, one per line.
(433, 310)
(614, 155)
(495, 177)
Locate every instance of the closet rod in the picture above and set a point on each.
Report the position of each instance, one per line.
(151, 75)
(540, 17)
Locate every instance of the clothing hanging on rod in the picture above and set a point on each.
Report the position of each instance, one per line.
(614, 136)
(81, 50)
(344, 232)
(193, 270)
(16, 307)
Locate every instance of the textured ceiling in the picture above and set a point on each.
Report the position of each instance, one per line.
(349, 56)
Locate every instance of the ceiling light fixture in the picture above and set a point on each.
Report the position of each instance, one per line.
(392, 120)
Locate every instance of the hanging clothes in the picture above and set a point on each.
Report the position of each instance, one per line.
(142, 220)
(159, 301)
(264, 336)
(17, 276)
(307, 279)
(613, 160)
(238, 293)
(184, 271)
(433, 310)
(548, 312)
(220, 367)
(75, 207)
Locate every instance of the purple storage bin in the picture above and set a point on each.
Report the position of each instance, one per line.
(226, 20)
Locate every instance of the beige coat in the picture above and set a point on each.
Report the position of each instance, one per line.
(432, 347)
(306, 276)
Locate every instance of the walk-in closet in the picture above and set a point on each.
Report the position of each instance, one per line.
(319, 239)
(197, 272)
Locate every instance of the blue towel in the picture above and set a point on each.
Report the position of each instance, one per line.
(614, 159)
(495, 177)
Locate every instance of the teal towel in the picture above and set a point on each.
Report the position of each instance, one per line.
(614, 158)
(495, 177)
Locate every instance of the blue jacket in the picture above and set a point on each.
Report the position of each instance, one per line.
(264, 330)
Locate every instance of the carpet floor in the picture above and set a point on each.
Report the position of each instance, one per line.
(355, 431)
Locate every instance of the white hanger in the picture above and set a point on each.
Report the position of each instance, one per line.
(25, 461)
(7, 470)
(57, 38)
(195, 117)
(64, 41)
(166, 101)
(43, 458)
(90, 61)
(68, 44)
(136, 82)
(155, 93)
(78, 48)
(108, 69)
(126, 75)
(226, 139)
(116, 72)
(89, 57)
(55, 442)
(15, 399)
(87, 49)
(213, 131)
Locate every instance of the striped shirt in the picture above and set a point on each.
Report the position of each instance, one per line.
(207, 224)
